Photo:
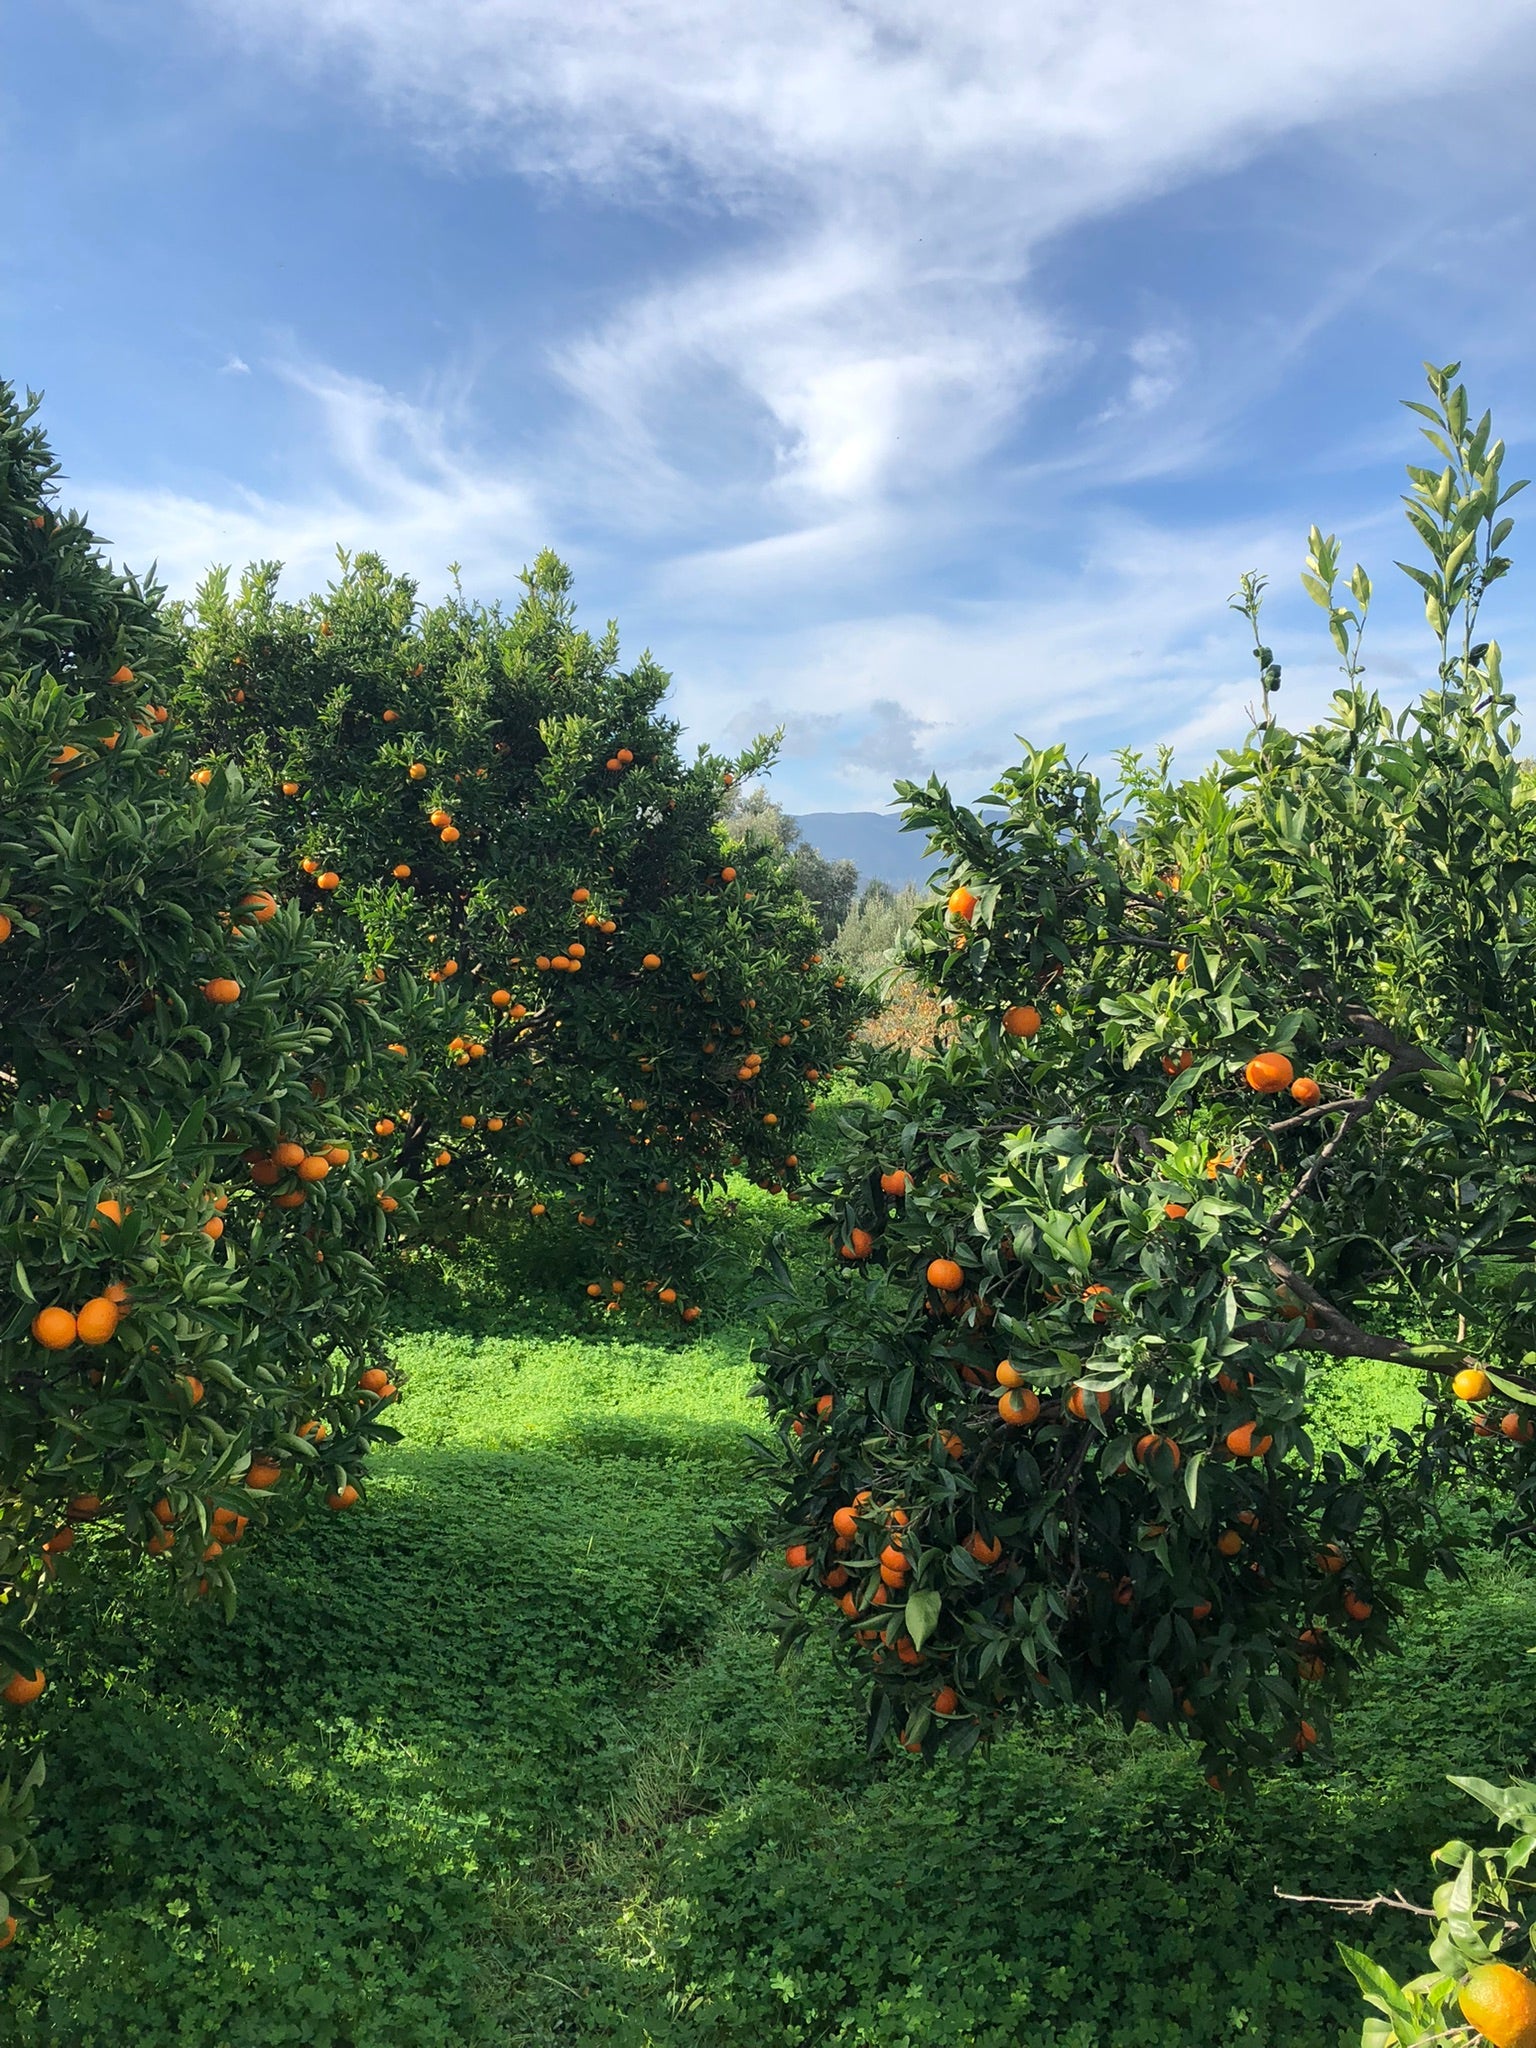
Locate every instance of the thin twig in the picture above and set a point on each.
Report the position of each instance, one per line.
(1356, 1905)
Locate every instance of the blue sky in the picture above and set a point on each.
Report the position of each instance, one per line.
(910, 375)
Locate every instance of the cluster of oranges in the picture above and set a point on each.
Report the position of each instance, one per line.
(289, 1158)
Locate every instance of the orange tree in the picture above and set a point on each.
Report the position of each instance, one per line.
(622, 1004)
(189, 1306)
(1240, 1089)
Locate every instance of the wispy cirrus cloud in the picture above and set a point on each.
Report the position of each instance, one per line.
(803, 444)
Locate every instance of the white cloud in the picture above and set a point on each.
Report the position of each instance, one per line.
(901, 160)
(396, 480)
(825, 400)
(236, 366)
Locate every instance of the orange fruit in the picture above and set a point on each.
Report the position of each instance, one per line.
(1500, 2002)
(1175, 1211)
(1268, 1072)
(1147, 1446)
(1330, 1558)
(202, 777)
(1304, 1738)
(6, 927)
(214, 1227)
(287, 1153)
(21, 1692)
(797, 1557)
(1018, 1406)
(651, 961)
(314, 1166)
(1077, 1403)
(1356, 1608)
(945, 1275)
(1008, 1374)
(1100, 1315)
(54, 1328)
(692, 1313)
(329, 880)
(1471, 1385)
(336, 1155)
(222, 989)
(1516, 1427)
(1021, 1021)
(294, 1199)
(348, 1497)
(449, 835)
(261, 905)
(1305, 1092)
(375, 1379)
(1178, 1063)
(1229, 1543)
(262, 1474)
(859, 1246)
(388, 1204)
(961, 904)
(1246, 1441)
(121, 675)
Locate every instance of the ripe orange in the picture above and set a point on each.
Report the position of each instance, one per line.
(961, 905)
(214, 1227)
(692, 1313)
(261, 905)
(1175, 1211)
(1304, 1738)
(290, 789)
(1008, 1374)
(1021, 1021)
(443, 1159)
(6, 927)
(1471, 1385)
(1246, 1441)
(262, 1474)
(348, 1497)
(20, 1691)
(1356, 1608)
(1518, 1428)
(1147, 1446)
(859, 1246)
(375, 1380)
(314, 1166)
(287, 1153)
(1178, 1063)
(1100, 1315)
(1500, 2002)
(449, 835)
(417, 771)
(388, 1204)
(797, 1557)
(222, 989)
(202, 777)
(1305, 1092)
(945, 1275)
(1018, 1406)
(1229, 1543)
(329, 880)
(1077, 1403)
(1268, 1072)
(121, 675)
(54, 1328)
(336, 1155)
(651, 961)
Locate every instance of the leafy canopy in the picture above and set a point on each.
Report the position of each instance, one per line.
(1237, 1086)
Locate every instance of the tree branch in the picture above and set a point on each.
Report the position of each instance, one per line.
(1356, 1905)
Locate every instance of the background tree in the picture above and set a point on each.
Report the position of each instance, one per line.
(625, 1003)
(188, 1329)
(1239, 1088)
(827, 885)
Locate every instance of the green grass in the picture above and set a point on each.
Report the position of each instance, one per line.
(499, 1761)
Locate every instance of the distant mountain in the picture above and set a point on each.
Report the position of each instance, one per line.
(873, 841)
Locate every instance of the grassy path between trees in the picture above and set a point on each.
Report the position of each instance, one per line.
(498, 1761)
